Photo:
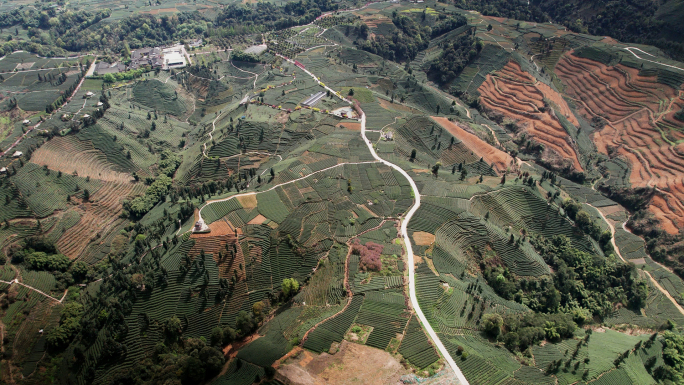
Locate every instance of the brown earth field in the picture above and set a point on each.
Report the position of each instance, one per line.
(223, 244)
(497, 158)
(637, 111)
(516, 95)
(352, 364)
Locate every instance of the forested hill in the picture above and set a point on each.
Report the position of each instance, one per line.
(652, 22)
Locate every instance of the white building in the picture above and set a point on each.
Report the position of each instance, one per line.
(173, 60)
(17, 154)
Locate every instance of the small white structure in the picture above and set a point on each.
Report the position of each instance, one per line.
(201, 227)
(17, 154)
(89, 94)
(256, 49)
(86, 116)
(99, 104)
(314, 99)
(26, 122)
(3, 170)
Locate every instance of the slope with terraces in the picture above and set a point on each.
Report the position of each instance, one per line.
(639, 126)
(516, 95)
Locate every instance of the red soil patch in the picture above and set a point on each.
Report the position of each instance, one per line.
(638, 111)
(350, 126)
(223, 244)
(497, 158)
(259, 219)
(516, 95)
(217, 228)
(232, 349)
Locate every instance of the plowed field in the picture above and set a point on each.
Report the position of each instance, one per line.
(492, 155)
(515, 94)
(639, 114)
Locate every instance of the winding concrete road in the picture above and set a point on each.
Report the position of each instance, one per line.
(409, 250)
(411, 263)
(630, 50)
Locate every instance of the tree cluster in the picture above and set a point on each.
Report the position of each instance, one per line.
(457, 54)
(581, 284)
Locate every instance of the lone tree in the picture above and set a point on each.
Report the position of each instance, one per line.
(435, 168)
(351, 92)
(464, 173)
(290, 287)
(413, 155)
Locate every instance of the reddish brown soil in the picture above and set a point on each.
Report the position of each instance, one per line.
(214, 244)
(422, 238)
(352, 364)
(516, 95)
(350, 126)
(220, 227)
(637, 111)
(497, 158)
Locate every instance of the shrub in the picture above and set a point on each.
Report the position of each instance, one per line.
(369, 255)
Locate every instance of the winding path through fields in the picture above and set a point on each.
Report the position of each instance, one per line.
(411, 262)
(629, 49)
(404, 230)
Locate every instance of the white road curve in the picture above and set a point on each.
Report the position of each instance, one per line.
(409, 252)
(629, 49)
(276, 186)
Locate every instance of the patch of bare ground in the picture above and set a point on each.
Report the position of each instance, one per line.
(637, 111)
(495, 157)
(259, 219)
(352, 364)
(421, 238)
(350, 126)
(98, 214)
(515, 94)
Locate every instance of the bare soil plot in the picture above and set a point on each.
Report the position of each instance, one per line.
(516, 95)
(352, 364)
(637, 111)
(422, 238)
(497, 158)
(248, 201)
(98, 214)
